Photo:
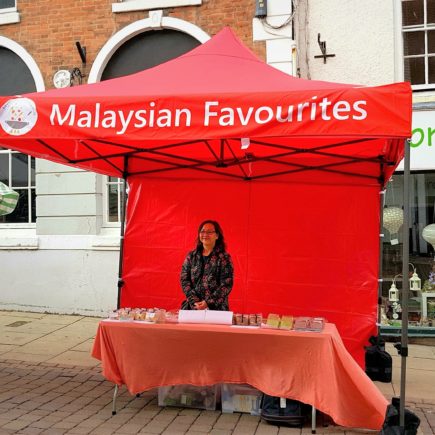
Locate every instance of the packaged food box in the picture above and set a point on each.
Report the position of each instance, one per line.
(273, 320)
(317, 324)
(241, 398)
(302, 323)
(188, 396)
(286, 322)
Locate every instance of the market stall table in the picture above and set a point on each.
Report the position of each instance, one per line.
(313, 367)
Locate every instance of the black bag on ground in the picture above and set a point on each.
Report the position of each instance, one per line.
(293, 414)
(391, 424)
(379, 364)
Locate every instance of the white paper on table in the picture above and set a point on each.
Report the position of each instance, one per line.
(219, 317)
(205, 316)
(191, 316)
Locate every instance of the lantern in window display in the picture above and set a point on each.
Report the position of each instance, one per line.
(393, 297)
(393, 293)
(414, 281)
(393, 220)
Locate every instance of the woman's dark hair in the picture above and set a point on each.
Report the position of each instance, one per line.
(220, 242)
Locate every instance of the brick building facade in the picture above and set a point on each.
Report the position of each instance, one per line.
(48, 31)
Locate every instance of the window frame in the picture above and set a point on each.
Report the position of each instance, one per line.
(106, 183)
(419, 28)
(10, 9)
(9, 15)
(40, 86)
(29, 188)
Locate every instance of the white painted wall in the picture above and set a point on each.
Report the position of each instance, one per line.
(72, 281)
(361, 34)
(69, 201)
(67, 263)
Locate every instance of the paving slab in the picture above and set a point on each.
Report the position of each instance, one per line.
(17, 338)
(29, 357)
(61, 319)
(34, 327)
(7, 348)
(74, 358)
(420, 384)
(53, 347)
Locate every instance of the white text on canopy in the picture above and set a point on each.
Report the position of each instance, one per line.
(213, 113)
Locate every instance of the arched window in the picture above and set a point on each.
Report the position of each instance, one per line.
(19, 74)
(135, 48)
(146, 50)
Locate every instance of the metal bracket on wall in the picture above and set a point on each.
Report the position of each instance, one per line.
(322, 45)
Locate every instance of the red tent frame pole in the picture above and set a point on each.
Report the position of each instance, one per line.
(121, 241)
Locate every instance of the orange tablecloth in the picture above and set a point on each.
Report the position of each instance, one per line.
(314, 368)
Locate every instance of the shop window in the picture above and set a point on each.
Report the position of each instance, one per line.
(418, 29)
(18, 172)
(421, 253)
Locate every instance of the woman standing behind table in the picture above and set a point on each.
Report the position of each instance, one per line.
(207, 271)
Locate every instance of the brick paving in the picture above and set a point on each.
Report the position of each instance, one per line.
(52, 399)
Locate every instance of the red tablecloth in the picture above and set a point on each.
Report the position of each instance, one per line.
(314, 368)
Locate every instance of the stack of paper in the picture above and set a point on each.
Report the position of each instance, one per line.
(206, 316)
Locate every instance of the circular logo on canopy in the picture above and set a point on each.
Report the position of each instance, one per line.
(18, 116)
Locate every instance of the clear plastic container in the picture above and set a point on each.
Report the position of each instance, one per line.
(189, 396)
(241, 398)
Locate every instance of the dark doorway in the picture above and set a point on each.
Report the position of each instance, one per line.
(15, 76)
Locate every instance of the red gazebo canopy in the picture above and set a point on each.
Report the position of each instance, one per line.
(194, 113)
(188, 135)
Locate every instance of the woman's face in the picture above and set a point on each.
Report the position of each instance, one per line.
(208, 235)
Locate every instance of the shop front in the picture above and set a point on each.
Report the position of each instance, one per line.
(421, 231)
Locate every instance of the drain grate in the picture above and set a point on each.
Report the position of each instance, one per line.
(19, 323)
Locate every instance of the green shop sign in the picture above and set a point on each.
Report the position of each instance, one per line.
(422, 141)
(423, 136)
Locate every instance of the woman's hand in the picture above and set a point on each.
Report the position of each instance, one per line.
(201, 305)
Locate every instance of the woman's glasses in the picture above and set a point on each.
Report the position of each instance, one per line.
(203, 232)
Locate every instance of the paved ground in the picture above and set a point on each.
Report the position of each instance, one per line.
(49, 384)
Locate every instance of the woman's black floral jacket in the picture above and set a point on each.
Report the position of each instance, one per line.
(212, 286)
